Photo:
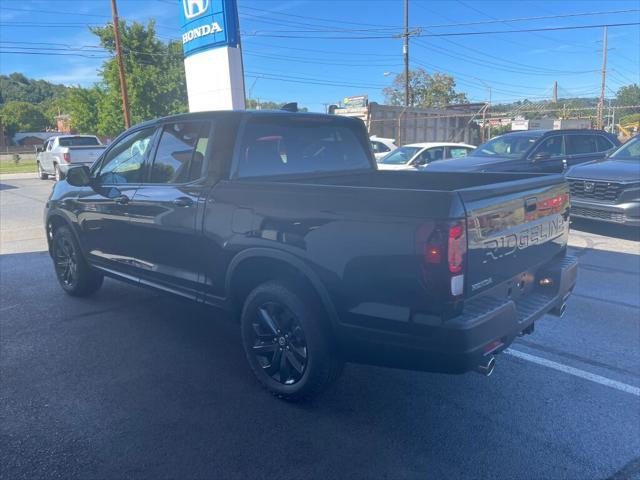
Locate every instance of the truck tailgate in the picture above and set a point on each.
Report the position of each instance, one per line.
(85, 155)
(513, 227)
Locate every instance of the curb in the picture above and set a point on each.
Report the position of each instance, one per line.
(18, 176)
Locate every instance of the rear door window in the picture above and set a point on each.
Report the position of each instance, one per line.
(181, 153)
(581, 144)
(282, 145)
(458, 152)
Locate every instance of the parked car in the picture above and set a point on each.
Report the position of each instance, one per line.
(382, 146)
(421, 154)
(536, 151)
(609, 190)
(60, 152)
(284, 219)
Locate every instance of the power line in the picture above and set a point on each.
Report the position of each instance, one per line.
(540, 29)
(276, 33)
(318, 62)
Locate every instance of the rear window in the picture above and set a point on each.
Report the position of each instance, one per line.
(298, 145)
(78, 142)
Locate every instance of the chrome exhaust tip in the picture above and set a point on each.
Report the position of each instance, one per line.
(559, 311)
(486, 367)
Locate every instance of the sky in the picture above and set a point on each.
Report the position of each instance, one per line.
(315, 70)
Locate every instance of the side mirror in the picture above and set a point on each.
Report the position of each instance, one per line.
(39, 149)
(541, 156)
(418, 163)
(79, 176)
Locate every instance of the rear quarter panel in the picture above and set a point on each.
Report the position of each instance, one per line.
(360, 242)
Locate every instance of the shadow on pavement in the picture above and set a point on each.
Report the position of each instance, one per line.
(606, 229)
(134, 384)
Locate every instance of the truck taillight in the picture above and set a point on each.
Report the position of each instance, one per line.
(444, 250)
(457, 247)
(66, 157)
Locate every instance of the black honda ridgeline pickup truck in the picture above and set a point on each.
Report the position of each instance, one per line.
(284, 219)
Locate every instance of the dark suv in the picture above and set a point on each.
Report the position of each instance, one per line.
(535, 151)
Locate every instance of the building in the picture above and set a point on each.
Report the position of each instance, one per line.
(32, 138)
(412, 125)
(63, 123)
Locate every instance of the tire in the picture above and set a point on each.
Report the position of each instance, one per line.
(41, 174)
(59, 176)
(72, 271)
(287, 342)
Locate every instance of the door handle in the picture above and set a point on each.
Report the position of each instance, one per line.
(121, 200)
(183, 202)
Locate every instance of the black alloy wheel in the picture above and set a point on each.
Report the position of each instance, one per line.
(65, 259)
(279, 343)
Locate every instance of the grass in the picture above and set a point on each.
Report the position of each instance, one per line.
(24, 166)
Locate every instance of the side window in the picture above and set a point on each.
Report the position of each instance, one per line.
(551, 146)
(432, 154)
(581, 144)
(123, 163)
(603, 144)
(49, 145)
(181, 153)
(457, 152)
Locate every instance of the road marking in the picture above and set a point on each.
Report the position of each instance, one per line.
(623, 387)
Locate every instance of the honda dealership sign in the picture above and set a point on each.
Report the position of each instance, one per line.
(213, 60)
(208, 24)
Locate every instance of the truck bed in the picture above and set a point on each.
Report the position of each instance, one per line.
(514, 221)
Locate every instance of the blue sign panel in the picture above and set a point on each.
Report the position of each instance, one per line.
(208, 24)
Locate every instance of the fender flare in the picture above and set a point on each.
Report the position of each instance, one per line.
(293, 261)
(68, 223)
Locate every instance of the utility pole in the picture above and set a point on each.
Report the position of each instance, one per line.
(600, 121)
(405, 50)
(555, 92)
(123, 80)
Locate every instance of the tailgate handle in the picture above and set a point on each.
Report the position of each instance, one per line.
(531, 204)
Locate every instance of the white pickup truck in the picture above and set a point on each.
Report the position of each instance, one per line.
(60, 152)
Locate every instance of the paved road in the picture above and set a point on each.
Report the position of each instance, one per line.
(135, 384)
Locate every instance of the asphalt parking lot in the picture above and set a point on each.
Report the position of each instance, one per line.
(135, 384)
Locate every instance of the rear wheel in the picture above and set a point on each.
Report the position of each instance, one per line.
(287, 342)
(41, 173)
(73, 273)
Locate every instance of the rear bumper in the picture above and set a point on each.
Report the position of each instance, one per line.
(624, 213)
(487, 326)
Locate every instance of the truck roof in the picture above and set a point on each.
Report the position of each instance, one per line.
(240, 113)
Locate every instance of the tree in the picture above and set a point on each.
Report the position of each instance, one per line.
(628, 95)
(425, 90)
(155, 77)
(17, 87)
(82, 105)
(23, 117)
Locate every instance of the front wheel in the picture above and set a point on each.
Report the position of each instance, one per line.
(73, 273)
(41, 174)
(287, 342)
(58, 173)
